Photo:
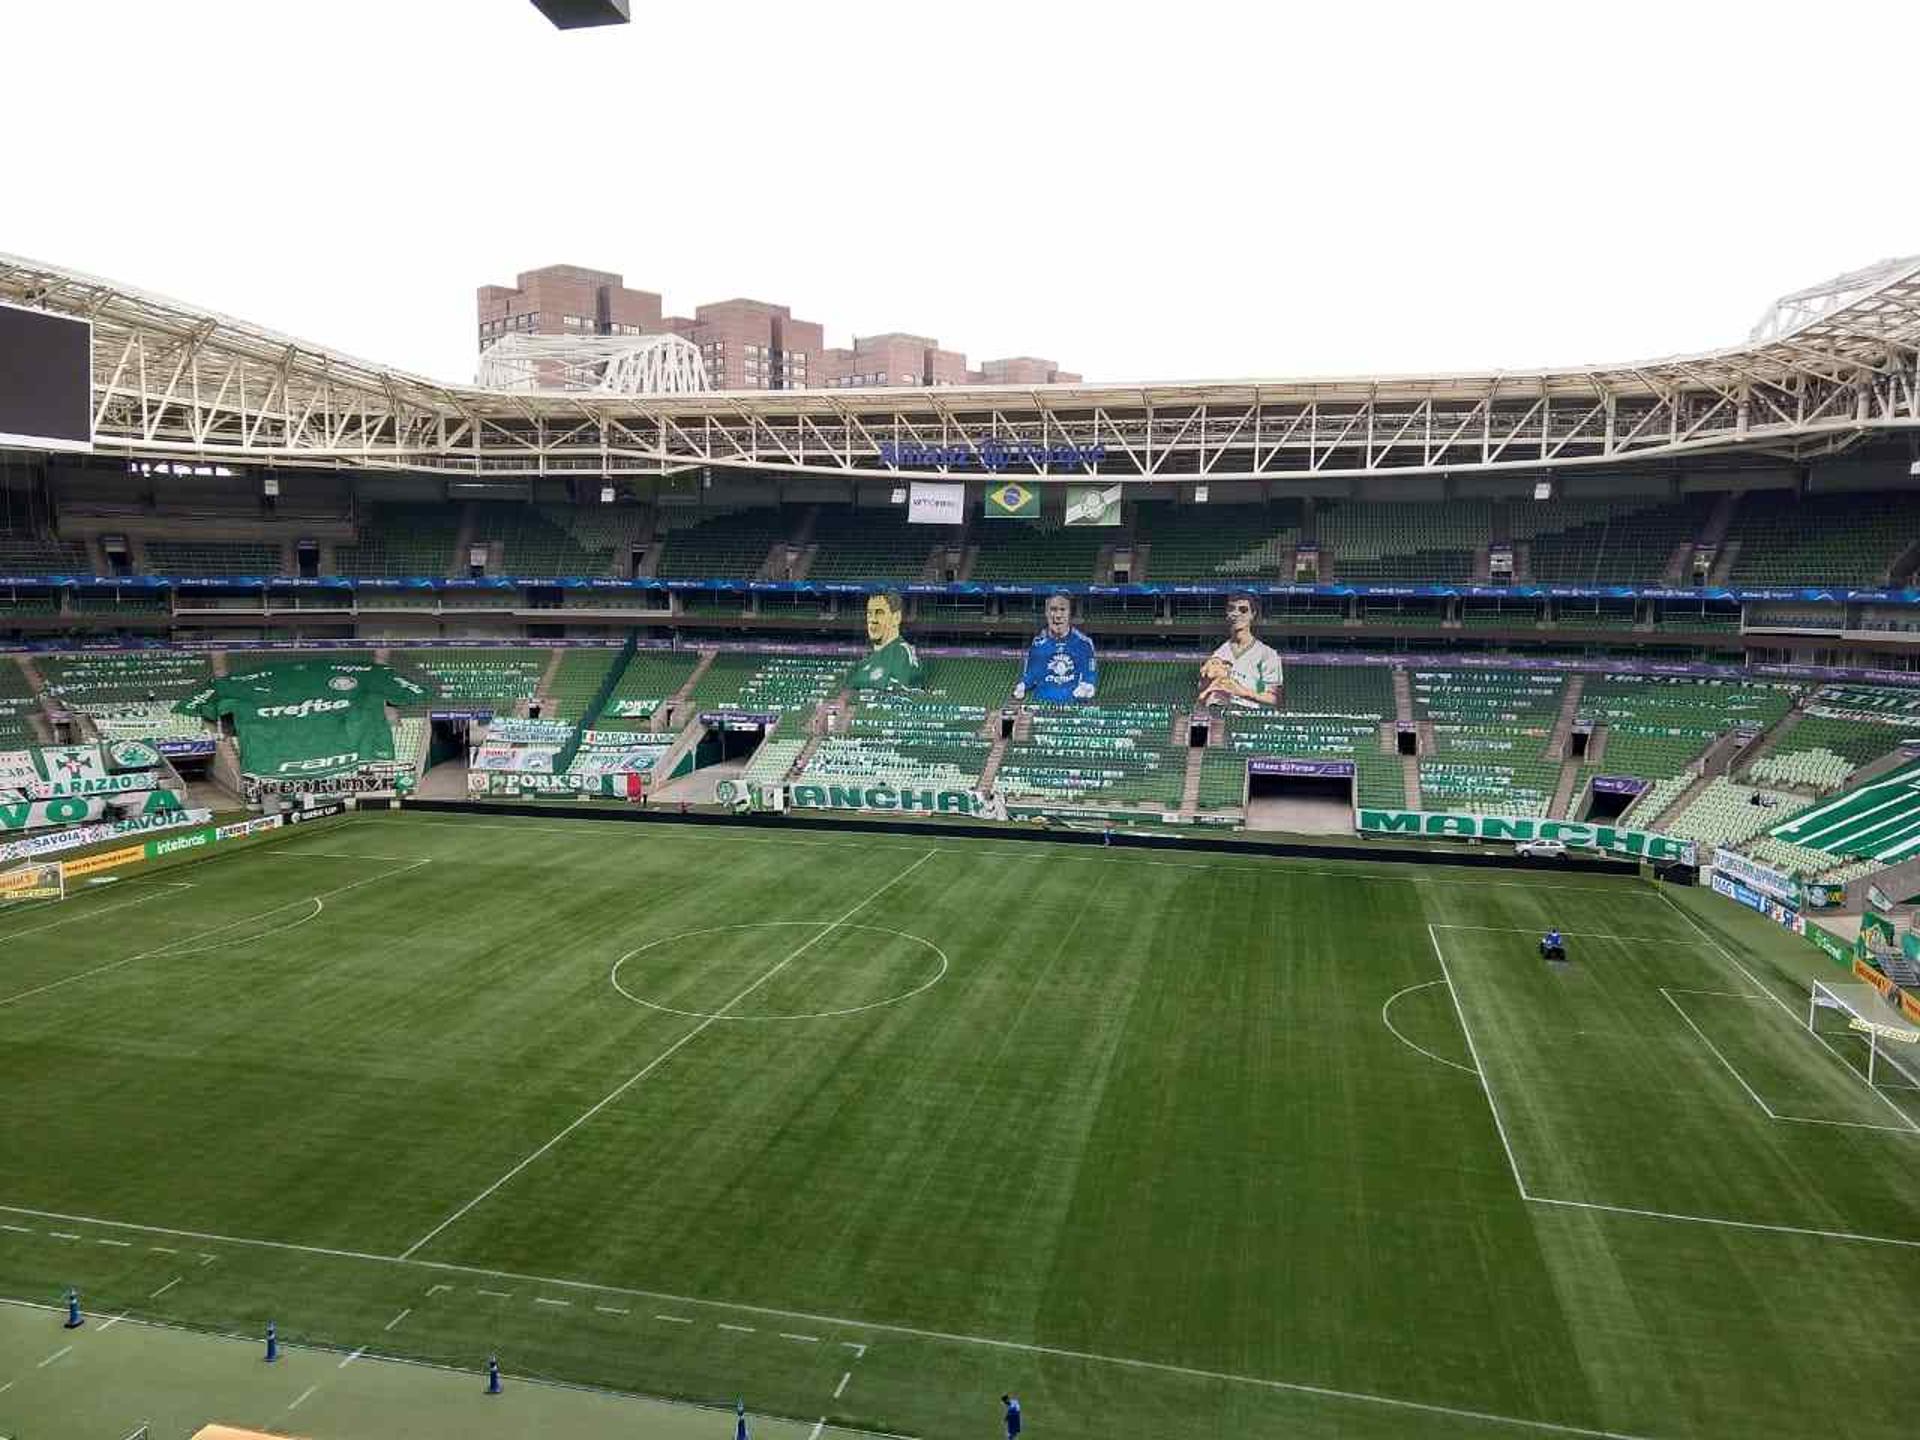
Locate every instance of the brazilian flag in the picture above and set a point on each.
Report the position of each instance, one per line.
(1010, 500)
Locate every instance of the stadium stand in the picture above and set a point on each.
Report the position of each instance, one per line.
(1490, 730)
(17, 704)
(502, 679)
(1657, 727)
(1624, 540)
(1217, 542)
(650, 679)
(212, 557)
(869, 543)
(792, 685)
(27, 552)
(731, 545)
(1849, 538)
(532, 543)
(1015, 551)
(112, 681)
(1098, 753)
(578, 680)
(402, 539)
(1726, 813)
(772, 761)
(1394, 540)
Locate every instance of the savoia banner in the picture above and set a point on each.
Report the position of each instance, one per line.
(1577, 834)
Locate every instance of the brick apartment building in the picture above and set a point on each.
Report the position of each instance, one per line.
(747, 344)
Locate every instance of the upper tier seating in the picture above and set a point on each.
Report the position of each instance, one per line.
(731, 545)
(1629, 539)
(869, 542)
(1217, 542)
(1404, 540)
(396, 540)
(1014, 550)
(1835, 538)
(213, 557)
(533, 541)
(24, 553)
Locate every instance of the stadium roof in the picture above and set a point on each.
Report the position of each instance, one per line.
(1828, 366)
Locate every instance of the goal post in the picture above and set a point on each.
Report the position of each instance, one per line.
(1874, 1017)
(40, 880)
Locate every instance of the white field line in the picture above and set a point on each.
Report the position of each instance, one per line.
(1906, 1120)
(283, 852)
(665, 1055)
(63, 1350)
(985, 1342)
(156, 1294)
(818, 1426)
(1388, 1022)
(351, 1358)
(301, 1397)
(840, 1389)
(319, 907)
(1095, 855)
(398, 1318)
(93, 914)
(1473, 1050)
(1852, 1236)
(1754, 1095)
(200, 935)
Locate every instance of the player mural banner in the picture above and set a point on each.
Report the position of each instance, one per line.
(308, 718)
(882, 798)
(1577, 834)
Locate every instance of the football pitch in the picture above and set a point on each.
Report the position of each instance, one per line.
(868, 1129)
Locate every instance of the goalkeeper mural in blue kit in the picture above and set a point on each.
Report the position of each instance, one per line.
(1061, 665)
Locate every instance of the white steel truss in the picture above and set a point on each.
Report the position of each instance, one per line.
(595, 364)
(1835, 364)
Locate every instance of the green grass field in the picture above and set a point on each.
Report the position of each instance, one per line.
(869, 1130)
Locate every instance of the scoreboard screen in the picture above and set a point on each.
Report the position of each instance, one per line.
(46, 380)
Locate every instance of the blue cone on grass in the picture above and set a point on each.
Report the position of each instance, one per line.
(493, 1374)
(74, 1320)
(740, 1420)
(273, 1342)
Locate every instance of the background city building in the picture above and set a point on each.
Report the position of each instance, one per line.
(746, 344)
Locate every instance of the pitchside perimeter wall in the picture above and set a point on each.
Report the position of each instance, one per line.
(1397, 852)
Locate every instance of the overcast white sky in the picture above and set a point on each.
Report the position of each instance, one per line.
(1180, 191)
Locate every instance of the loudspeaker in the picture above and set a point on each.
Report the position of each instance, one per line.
(581, 14)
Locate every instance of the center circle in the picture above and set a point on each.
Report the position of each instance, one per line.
(929, 955)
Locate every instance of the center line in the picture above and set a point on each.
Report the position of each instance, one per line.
(663, 1056)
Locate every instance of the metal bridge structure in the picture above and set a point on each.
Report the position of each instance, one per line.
(1828, 367)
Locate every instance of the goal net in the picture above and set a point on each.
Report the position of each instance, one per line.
(42, 880)
(1875, 1018)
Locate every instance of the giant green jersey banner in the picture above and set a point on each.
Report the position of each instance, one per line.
(308, 718)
